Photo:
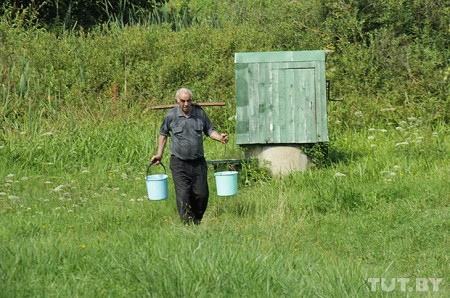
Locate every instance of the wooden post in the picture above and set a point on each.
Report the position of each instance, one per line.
(116, 93)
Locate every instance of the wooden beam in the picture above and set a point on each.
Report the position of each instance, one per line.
(202, 104)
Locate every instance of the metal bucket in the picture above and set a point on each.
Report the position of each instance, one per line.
(157, 188)
(226, 183)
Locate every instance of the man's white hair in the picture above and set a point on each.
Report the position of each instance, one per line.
(183, 90)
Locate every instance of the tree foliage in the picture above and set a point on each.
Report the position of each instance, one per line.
(84, 13)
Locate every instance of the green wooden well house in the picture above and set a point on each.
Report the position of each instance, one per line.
(280, 99)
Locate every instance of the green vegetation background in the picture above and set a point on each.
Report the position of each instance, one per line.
(77, 132)
(381, 54)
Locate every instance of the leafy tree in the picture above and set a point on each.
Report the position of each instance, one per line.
(83, 13)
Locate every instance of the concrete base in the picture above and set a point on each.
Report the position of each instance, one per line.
(280, 160)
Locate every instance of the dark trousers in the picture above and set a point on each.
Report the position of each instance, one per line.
(191, 187)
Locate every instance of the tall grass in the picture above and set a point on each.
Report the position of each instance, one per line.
(75, 219)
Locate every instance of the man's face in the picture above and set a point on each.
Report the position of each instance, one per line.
(184, 101)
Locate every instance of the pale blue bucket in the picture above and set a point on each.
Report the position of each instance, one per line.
(156, 185)
(226, 183)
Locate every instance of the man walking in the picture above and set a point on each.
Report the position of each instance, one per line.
(186, 123)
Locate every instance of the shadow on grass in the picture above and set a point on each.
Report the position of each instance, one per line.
(323, 155)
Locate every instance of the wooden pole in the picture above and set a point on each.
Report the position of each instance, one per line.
(116, 94)
(202, 104)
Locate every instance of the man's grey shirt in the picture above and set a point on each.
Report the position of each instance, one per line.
(187, 138)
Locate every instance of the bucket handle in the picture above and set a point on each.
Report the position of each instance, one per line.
(148, 168)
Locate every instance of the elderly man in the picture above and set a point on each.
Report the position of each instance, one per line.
(186, 123)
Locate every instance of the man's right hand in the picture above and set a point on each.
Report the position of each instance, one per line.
(156, 159)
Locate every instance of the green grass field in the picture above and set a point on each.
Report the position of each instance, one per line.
(75, 220)
(369, 219)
